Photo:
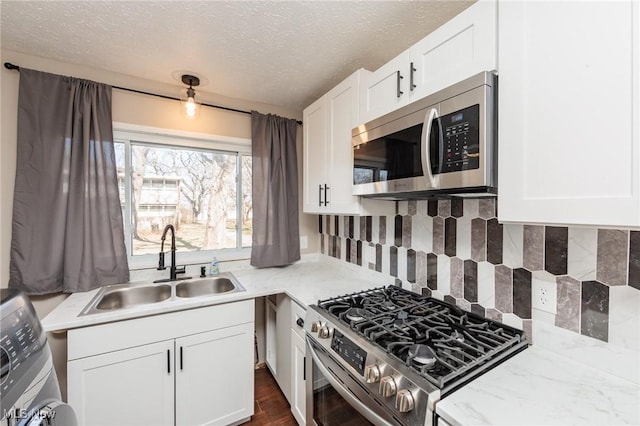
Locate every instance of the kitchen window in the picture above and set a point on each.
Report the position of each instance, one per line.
(201, 184)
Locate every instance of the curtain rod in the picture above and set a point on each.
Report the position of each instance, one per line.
(10, 66)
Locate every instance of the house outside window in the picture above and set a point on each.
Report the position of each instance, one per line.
(200, 184)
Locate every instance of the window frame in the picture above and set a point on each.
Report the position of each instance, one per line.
(130, 133)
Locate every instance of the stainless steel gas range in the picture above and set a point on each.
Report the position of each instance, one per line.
(386, 356)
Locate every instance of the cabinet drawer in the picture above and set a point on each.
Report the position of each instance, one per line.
(103, 338)
(297, 313)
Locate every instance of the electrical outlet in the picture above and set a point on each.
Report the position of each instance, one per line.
(544, 294)
(304, 242)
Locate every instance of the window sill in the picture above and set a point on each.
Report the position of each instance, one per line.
(150, 261)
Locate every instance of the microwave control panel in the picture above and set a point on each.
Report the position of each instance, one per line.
(461, 144)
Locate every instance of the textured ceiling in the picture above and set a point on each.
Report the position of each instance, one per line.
(278, 52)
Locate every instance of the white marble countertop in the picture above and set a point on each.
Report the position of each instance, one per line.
(305, 282)
(552, 383)
(544, 384)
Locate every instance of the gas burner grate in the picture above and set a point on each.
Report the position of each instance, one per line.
(397, 320)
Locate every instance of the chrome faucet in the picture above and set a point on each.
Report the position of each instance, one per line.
(173, 269)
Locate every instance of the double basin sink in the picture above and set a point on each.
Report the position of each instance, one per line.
(121, 296)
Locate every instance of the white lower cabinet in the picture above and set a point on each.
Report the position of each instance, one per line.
(298, 363)
(185, 368)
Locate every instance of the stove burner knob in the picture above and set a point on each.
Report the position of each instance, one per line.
(371, 373)
(315, 326)
(387, 386)
(324, 332)
(404, 401)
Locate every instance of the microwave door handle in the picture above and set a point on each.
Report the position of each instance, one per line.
(369, 414)
(426, 151)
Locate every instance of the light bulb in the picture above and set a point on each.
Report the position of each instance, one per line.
(190, 107)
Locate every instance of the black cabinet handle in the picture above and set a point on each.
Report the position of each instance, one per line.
(168, 361)
(326, 199)
(398, 78)
(411, 71)
(180, 358)
(300, 322)
(304, 368)
(320, 195)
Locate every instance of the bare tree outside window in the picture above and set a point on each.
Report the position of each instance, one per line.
(193, 189)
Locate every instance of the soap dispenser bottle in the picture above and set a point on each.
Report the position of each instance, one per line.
(214, 269)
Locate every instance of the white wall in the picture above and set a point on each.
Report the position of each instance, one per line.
(127, 108)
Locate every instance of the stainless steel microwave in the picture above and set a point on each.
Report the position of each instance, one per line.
(440, 146)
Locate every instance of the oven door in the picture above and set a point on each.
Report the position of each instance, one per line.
(335, 397)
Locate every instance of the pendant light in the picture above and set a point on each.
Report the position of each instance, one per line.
(189, 106)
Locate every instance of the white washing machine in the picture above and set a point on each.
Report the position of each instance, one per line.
(29, 389)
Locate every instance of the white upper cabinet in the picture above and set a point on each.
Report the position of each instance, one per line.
(462, 47)
(328, 153)
(569, 111)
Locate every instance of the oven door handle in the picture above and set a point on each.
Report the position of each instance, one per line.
(426, 148)
(345, 393)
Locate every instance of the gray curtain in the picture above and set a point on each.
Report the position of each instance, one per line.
(276, 240)
(67, 223)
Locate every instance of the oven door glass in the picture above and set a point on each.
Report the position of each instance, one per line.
(329, 407)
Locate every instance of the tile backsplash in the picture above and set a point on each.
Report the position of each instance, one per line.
(580, 279)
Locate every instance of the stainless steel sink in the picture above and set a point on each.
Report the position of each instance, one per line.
(133, 296)
(208, 286)
(122, 296)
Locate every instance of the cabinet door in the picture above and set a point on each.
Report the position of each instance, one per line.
(298, 384)
(214, 376)
(342, 111)
(568, 113)
(131, 386)
(462, 47)
(315, 157)
(380, 94)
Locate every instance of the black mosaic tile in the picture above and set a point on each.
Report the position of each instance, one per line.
(432, 208)
(457, 207)
(327, 224)
(368, 220)
(351, 226)
(450, 299)
(322, 249)
(427, 292)
(450, 242)
(397, 282)
(393, 261)
(634, 259)
(522, 293)
(336, 225)
(362, 228)
(397, 231)
(470, 281)
(594, 320)
(411, 266)
(444, 208)
(432, 271)
(478, 309)
(359, 252)
(382, 237)
(337, 246)
(494, 242)
(319, 224)
(556, 245)
(379, 257)
(348, 253)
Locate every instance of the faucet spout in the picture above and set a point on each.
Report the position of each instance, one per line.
(173, 270)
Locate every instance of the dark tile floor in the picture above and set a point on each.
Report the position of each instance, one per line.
(271, 407)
